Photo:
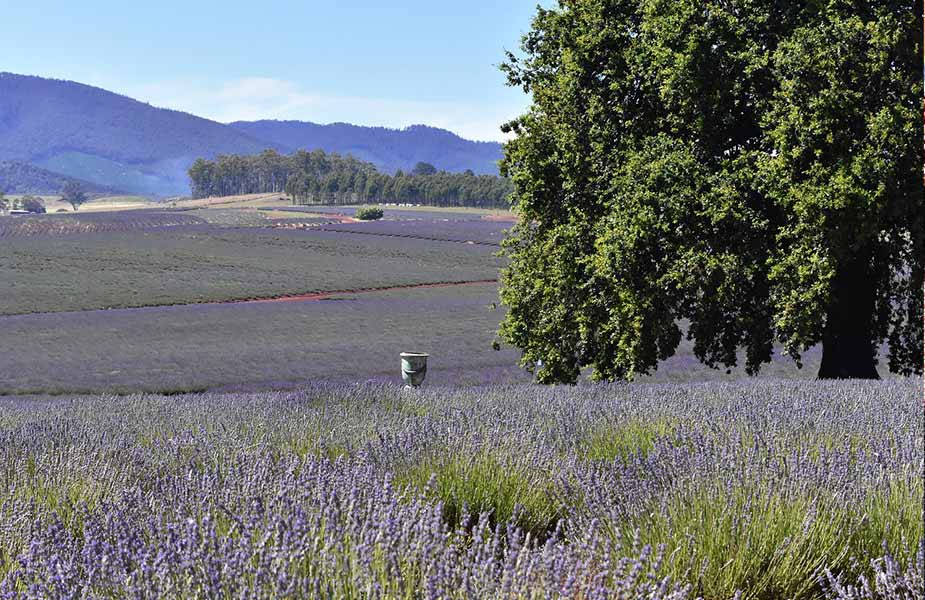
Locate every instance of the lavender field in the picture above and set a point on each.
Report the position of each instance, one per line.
(473, 232)
(257, 345)
(52, 225)
(769, 489)
(196, 264)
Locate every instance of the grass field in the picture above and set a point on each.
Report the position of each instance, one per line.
(759, 490)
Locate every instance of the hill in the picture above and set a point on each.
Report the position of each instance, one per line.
(114, 141)
(388, 149)
(22, 178)
(90, 133)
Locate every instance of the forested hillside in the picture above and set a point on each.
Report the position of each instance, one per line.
(111, 140)
(388, 149)
(320, 178)
(22, 178)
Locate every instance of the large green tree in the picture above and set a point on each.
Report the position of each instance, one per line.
(751, 168)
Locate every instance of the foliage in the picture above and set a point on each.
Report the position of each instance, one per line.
(752, 169)
(32, 204)
(757, 490)
(320, 178)
(368, 213)
(388, 149)
(73, 193)
(423, 168)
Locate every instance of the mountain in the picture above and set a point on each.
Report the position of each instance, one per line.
(22, 178)
(116, 142)
(388, 149)
(90, 133)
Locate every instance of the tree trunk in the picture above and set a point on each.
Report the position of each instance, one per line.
(847, 346)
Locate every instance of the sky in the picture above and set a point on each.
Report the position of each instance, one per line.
(367, 62)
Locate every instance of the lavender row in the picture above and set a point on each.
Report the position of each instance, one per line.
(55, 225)
(474, 232)
(770, 489)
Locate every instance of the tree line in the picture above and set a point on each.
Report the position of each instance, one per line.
(318, 177)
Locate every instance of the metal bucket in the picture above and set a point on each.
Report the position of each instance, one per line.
(413, 368)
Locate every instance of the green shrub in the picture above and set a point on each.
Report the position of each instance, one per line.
(482, 482)
(369, 213)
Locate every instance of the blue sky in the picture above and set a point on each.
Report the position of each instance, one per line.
(361, 61)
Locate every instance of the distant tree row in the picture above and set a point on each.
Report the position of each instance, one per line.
(320, 178)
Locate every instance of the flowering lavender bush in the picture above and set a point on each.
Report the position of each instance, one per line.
(753, 490)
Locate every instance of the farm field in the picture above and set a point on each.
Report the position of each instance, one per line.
(765, 489)
(280, 345)
(52, 225)
(305, 470)
(280, 201)
(419, 213)
(476, 232)
(168, 259)
(258, 345)
(177, 265)
(568, 300)
(243, 201)
(103, 204)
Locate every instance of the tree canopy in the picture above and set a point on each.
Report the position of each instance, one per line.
(73, 193)
(423, 168)
(33, 204)
(752, 169)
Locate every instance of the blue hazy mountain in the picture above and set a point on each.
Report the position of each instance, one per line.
(115, 142)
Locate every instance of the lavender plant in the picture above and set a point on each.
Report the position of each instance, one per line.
(754, 490)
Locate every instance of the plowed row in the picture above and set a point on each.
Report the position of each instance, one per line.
(55, 225)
